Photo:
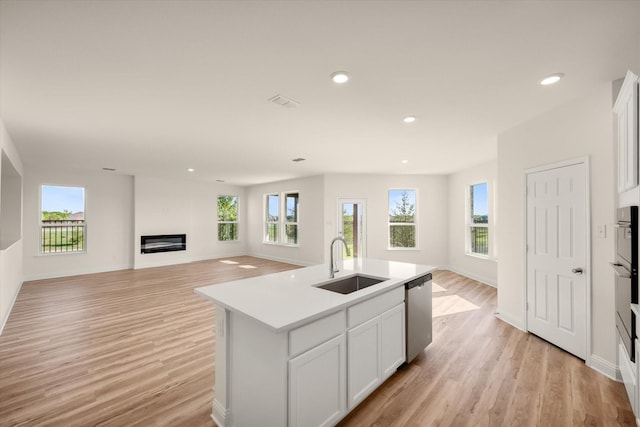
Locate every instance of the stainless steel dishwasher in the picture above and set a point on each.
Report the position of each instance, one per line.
(418, 315)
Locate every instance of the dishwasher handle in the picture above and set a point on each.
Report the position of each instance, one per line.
(418, 282)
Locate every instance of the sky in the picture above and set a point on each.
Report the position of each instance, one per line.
(395, 198)
(59, 199)
(273, 205)
(480, 199)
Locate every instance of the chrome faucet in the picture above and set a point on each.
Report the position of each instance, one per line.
(332, 267)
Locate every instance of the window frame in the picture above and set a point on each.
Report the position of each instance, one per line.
(413, 224)
(285, 219)
(282, 222)
(236, 222)
(267, 222)
(41, 224)
(470, 225)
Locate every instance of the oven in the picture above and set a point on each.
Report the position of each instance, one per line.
(626, 280)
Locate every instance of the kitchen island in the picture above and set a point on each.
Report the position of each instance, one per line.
(281, 343)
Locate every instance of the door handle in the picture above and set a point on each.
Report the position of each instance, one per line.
(576, 270)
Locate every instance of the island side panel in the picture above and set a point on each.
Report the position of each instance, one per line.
(221, 411)
(258, 367)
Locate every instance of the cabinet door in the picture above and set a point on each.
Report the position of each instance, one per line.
(317, 385)
(363, 360)
(626, 109)
(392, 340)
(636, 405)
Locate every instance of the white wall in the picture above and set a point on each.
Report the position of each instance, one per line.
(11, 263)
(10, 202)
(175, 207)
(311, 201)
(109, 222)
(482, 269)
(581, 128)
(431, 209)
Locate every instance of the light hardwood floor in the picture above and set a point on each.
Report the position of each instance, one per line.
(136, 347)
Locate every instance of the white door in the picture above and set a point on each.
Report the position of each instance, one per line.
(352, 225)
(557, 248)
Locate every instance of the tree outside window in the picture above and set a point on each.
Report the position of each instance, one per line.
(291, 218)
(402, 219)
(227, 218)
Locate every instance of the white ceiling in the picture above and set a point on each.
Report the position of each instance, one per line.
(156, 87)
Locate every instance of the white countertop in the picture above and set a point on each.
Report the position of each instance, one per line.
(286, 300)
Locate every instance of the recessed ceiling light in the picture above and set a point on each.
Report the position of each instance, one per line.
(409, 119)
(191, 170)
(108, 169)
(219, 180)
(340, 77)
(298, 159)
(404, 161)
(551, 79)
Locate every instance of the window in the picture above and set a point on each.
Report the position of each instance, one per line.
(227, 218)
(402, 219)
(62, 219)
(282, 213)
(291, 219)
(272, 218)
(478, 220)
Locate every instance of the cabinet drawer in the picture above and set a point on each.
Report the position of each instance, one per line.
(315, 333)
(375, 306)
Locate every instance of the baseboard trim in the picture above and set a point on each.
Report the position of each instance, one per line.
(475, 277)
(219, 414)
(511, 319)
(605, 367)
(285, 260)
(13, 301)
(164, 263)
(76, 272)
(160, 264)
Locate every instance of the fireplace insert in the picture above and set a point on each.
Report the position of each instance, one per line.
(163, 243)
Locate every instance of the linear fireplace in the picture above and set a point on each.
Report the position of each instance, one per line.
(163, 243)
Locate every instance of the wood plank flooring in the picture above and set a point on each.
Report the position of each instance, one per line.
(480, 371)
(136, 348)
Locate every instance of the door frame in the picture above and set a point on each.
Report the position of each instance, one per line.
(354, 200)
(584, 161)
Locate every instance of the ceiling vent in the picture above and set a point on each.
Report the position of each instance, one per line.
(283, 101)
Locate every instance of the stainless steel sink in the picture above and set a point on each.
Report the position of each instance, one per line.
(346, 285)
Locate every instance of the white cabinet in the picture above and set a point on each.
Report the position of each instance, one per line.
(626, 110)
(376, 347)
(312, 375)
(392, 340)
(635, 405)
(363, 360)
(317, 384)
(629, 375)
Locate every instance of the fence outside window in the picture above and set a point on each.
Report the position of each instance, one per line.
(64, 235)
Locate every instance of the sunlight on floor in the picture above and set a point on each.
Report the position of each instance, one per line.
(245, 266)
(436, 288)
(451, 304)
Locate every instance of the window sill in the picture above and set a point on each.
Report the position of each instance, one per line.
(480, 256)
(229, 241)
(403, 249)
(61, 253)
(289, 245)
